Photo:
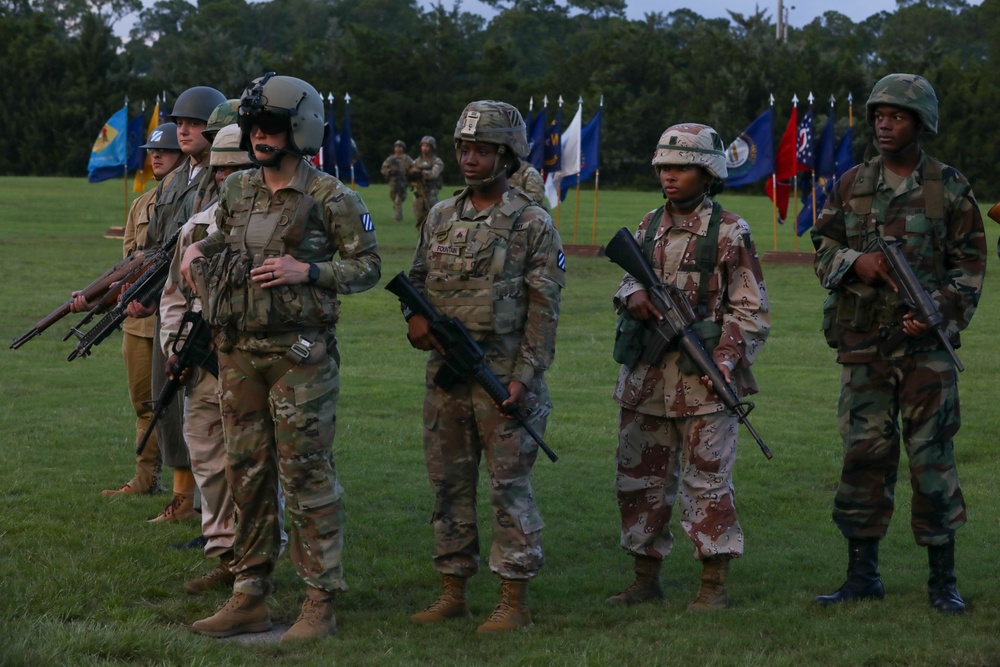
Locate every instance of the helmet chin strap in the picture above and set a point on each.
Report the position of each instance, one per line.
(273, 162)
(498, 169)
(686, 204)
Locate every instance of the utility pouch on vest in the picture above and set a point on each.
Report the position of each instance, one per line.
(629, 340)
(856, 308)
(225, 275)
(709, 333)
(470, 300)
(831, 328)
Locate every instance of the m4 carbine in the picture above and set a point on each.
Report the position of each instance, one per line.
(674, 330)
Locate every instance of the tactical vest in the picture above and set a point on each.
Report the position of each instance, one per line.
(237, 301)
(467, 277)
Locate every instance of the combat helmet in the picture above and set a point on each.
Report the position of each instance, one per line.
(492, 122)
(223, 115)
(430, 141)
(198, 102)
(226, 150)
(164, 137)
(400, 143)
(289, 101)
(907, 91)
(692, 143)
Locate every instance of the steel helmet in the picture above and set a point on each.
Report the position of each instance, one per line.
(430, 141)
(223, 115)
(198, 102)
(289, 99)
(907, 91)
(692, 143)
(226, 151)
(163, 137)
(492, 122)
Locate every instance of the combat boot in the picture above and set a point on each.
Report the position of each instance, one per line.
(316, 619)
(941, 588)
(712, 596)
(511, 613)
(452, 603)
(240, 614)
(180, 508)
(646, 586)
(221, 577)
(863, 582)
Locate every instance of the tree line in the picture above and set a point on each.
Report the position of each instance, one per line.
(411, 70)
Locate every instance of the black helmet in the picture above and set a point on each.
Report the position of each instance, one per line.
(163, 137)
(198, 102)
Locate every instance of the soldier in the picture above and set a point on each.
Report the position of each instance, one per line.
(676, 441)
(271, 286)
(529, 181)
(425, 177)
(898, 382)
(492, 258)
(394, 168)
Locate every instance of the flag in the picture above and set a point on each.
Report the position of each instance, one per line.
(136, 155)
(142, 176)
(553, 160)
(328, 152)
(784, 168)
(751, 156)
(348, 158)
(536, 141)
(805, 156)
(107, 157)
(824, 149)
(590, 141)
(822, 173)
(842, 160)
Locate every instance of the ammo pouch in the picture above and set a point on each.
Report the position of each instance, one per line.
(709, 333)
(855, 308)
(629, 340)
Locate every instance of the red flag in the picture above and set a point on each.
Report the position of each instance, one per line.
(784, 167)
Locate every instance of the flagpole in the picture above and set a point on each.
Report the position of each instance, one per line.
(774, 199)
(558, 193)
(795, 178)
(545, 107)
(125, 169)
(597, 181)
(576, 213)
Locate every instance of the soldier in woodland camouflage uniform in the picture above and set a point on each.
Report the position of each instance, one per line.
(395, 168)
(425, 177)
(271, 286)
(898, 383)
(493, 259)
(529, 181)
(676, 440)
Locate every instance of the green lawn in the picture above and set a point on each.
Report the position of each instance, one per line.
(84, 580)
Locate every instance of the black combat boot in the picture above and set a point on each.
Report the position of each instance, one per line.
(863, 582)
(941, 584)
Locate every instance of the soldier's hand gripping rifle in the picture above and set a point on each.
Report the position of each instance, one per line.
(95, 290)
(675, 327)
(145, 290)
(193, 347)
(464, 357)
(916, 297)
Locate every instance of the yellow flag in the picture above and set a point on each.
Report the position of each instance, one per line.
(143, 175)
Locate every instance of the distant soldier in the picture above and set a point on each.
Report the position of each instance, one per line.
(529, 181)
(395, 169)
(425, 177)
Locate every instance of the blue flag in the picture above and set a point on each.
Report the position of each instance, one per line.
(805, 156)
(751, 156)
(107, 157)
(328, 152)
(824, 150)
(590, 141)
(136, 136)
(552, 161)
(348, 156)
(843, 161)
(536, 140)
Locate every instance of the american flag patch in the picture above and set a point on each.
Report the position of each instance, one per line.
(561, 260)
(366, 222)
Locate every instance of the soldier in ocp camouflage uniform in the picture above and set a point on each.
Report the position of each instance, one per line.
(676, 440)
(898, 383)
(425, 177)
(395, 168)
(529, 181)
(493, 259)
(271, 286)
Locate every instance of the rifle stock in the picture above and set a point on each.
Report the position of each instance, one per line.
(675, 328)
(464, 357)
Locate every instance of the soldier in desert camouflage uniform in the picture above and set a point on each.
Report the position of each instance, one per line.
(676, 440)
(395, 168)
(529, 181)
(491, 258)
(898, 383)
(271, 286)
(425, 177)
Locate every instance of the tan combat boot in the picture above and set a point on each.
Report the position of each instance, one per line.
(242, 613)
(452, 602)
(221, 577)
(712, 595)
(317, 618)
(646, 586)
(511, 613)
(180, 508)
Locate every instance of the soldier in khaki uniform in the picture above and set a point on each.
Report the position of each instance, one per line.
(425, 177)
(394, 168)
(493, 259)
(676, 441)
(271, 285)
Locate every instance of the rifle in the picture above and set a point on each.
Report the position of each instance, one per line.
(675, 328)
(464, 357)
(145, 290)
(916, 297)
(415, 177)
(99, 287)
(197, 349)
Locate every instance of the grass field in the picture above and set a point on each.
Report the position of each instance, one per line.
(84, 580)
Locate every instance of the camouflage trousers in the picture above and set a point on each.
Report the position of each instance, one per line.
(661, 459)
(460, 426)
(283, 433)
(397, 193)
(423, 205)
(913, 399)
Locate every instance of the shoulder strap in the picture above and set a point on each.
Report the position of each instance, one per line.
(649, 240)
(863, 192)
(933, 189)
(706, 256)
